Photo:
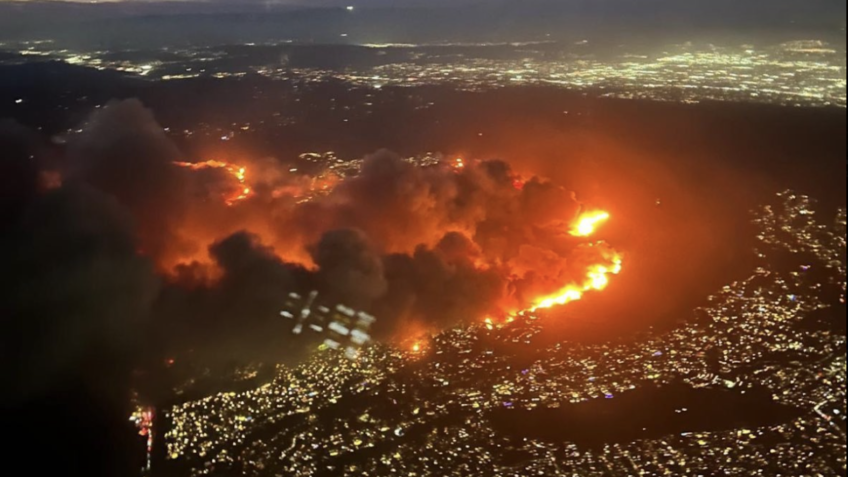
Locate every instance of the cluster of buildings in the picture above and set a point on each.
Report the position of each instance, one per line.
(800, 73)
(791, 74)
(434, 409)
(326, 170)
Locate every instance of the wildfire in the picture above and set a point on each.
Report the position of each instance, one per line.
(588, 223)
(238, 172)
(597, 279)
(459, 164)
(597, 275)
(419, 349)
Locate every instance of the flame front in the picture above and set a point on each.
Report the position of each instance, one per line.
(588, 223)
(238, 172)
(597, 275)
(597, 279)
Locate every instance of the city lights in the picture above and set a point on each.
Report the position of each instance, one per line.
(468, 373)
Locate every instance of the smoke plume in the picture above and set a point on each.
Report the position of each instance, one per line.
(75, 297)
(231, 237)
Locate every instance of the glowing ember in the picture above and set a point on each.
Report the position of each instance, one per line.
(416, 348)
(238, 172)
(519, 183)
(588, 223)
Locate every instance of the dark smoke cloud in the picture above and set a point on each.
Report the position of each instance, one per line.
(74, 281)
(350, 267)
(113, 259)
(18, 169)
(234, 317)
(400, 206)
(456, 243)
(124, 152)
(439, 287)
(429, 246)
(74, 297)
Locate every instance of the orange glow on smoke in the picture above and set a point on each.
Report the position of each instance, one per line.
(238, 172)
(588, 223)
(50, 180)
(597, 275)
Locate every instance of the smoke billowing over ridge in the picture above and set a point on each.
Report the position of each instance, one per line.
(416, 246)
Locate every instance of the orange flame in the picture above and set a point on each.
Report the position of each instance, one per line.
(238, 172)
(588, 223)
(597, 276)
(597, 279)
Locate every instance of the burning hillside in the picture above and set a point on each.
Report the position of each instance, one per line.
(420, 247)
(522, 286)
